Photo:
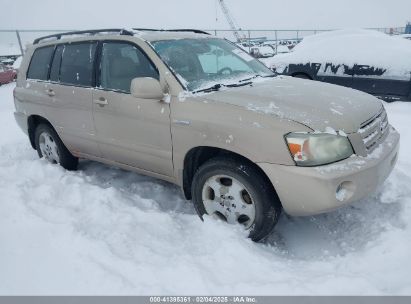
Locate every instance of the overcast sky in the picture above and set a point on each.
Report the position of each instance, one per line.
(258, 14)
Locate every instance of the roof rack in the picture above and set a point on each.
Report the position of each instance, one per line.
(171, 30)
(91, 32)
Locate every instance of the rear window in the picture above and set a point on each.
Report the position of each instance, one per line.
(40, 63)
(77, 64)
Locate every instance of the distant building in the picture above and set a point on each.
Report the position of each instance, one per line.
(408, 28)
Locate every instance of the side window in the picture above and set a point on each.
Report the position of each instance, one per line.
(120, 63)
(77, 64)
(40, 63)
(55, 65)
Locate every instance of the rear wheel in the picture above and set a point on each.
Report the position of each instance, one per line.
(237, 193)
(49, 146)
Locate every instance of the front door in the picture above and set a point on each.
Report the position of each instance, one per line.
(131, 131)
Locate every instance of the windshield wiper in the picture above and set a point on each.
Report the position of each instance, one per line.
(218, 86)
(240, 84)
(213, 88)
(255, 76)
(249, 78)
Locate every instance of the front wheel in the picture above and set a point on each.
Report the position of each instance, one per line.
(238, 193)
(50, 146)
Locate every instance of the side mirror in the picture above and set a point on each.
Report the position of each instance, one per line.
(147, 88)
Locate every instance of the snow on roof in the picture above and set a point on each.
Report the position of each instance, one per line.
(349, 47)
(164, 35)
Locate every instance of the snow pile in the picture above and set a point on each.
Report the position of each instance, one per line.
(17, 63)
(350, 47)
(102, 230)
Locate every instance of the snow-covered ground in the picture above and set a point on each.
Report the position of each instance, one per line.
(102, 230)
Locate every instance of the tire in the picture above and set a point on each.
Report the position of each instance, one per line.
(50, 146)
(302, 76)
(212, 194)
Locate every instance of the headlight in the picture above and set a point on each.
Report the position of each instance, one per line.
(314, 149)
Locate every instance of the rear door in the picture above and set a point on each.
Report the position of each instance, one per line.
(35, 90)
(130, 130)
(69, 90)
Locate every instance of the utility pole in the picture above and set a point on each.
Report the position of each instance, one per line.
(20, 44)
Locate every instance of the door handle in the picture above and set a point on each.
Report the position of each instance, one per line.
(101, 101)
(50, 92)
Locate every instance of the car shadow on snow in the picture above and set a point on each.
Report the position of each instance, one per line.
(167, 196)
(337, 233)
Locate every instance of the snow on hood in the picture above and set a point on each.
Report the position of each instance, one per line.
(317, 105)
(350, 47)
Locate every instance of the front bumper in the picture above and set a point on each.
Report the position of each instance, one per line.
(313, 190)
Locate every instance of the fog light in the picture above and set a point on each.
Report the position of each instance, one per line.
(344, 191)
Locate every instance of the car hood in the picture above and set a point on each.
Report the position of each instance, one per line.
(318, 105)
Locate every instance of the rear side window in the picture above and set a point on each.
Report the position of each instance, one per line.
(55, 65)
(77, 64)
(120, 63)
(40, 63)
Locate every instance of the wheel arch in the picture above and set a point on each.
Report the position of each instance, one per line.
(32, 122)
(197, 156)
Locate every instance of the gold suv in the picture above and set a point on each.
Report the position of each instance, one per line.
(197, 111)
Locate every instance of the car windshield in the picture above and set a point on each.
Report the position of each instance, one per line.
(208, 63)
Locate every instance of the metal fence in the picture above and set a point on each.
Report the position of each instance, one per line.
(13, 42)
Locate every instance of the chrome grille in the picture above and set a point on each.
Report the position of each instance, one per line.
(374, 130)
